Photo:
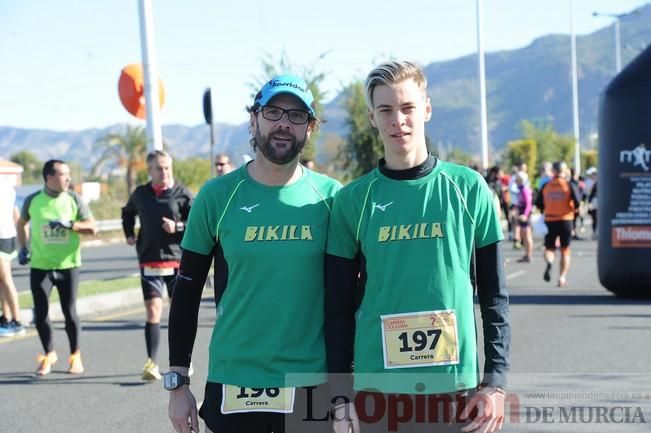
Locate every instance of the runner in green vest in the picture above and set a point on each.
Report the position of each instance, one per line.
(50, 223)
(405, 234)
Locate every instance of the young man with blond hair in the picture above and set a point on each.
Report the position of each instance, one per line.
(399, 298)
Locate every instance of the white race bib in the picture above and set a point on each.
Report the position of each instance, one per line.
(420, 339)
(237, 399)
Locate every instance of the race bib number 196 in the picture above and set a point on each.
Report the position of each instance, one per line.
(241, 399)
(420, 339)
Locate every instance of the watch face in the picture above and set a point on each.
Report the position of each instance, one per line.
(171, 380)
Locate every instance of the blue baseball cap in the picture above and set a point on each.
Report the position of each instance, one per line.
(288, 84)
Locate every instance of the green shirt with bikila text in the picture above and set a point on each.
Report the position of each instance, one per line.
(269, 245)
(415, 327)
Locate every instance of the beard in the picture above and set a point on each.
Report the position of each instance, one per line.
(279, 154)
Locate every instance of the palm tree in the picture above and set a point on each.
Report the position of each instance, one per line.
(128, 150)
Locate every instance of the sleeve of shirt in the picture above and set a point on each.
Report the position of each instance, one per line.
(83, 211)
(129, 217)
(487, 224)
(493, 299)
(575, 195)
(24, 212)
(341, 280)
(201, 229)
(184, 309)
(185, 210)
(540, 202)
(342, 238)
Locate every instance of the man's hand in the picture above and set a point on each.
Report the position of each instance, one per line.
(169, 225)
(345, 418)
(489, 403)
(23, 256)
(182, 410)
(58, 224)
(131, 240)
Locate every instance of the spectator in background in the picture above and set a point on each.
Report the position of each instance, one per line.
(524, 207)
(223, 164)
(545, 174)
(10, 325)
(56, 217)
(163, 206)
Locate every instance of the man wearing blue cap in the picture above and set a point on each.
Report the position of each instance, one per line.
(267, 353)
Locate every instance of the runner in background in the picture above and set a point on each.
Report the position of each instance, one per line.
(163, 206)
(48, 235)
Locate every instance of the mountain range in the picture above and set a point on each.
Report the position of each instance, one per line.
(533, 82)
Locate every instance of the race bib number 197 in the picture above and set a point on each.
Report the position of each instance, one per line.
(241, 399)
(420, 339)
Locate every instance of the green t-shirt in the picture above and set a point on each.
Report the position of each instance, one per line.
(54, 248)
(416, 238)
(270, 241)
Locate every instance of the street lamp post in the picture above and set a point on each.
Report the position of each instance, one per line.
(618, 39)
(575, 95)
(482, 86)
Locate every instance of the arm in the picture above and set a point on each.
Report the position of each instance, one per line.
(341, 283)
(183, 321)
(575, 195)
(129, 213)
(85, 227)
(496, 323)
(540, 204)
(528, 205)
(22, 233)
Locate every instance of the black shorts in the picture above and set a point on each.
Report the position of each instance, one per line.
(153, 285)
(311, 413)
(8, 248)
(558, 229)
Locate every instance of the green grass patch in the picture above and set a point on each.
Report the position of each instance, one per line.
(87, 288)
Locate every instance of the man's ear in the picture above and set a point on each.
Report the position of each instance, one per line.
(252, 124)
(428, 109)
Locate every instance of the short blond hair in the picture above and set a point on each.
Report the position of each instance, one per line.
(390, 73)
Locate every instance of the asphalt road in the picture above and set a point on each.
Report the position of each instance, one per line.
(580, 363)
(98, 263)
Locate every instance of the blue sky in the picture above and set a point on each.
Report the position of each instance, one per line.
(60, 60)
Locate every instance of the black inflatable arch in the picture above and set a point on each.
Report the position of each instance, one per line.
(624, 180)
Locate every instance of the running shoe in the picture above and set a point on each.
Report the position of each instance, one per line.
(3, 321)
(562, 282)
(546, 276)
(11, 329)
(75, 366)
(45, 363)
(150, 371)
(524, 259)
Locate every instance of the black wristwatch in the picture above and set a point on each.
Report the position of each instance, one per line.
(173, 380)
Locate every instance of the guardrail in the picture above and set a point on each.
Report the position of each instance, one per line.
(112, 225)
